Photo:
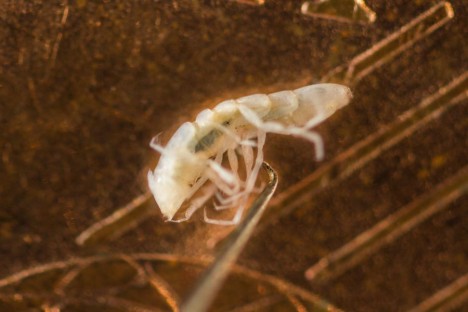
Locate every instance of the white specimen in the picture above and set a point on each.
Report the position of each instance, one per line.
(192, 157)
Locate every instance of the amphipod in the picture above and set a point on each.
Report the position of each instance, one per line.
(235, 128)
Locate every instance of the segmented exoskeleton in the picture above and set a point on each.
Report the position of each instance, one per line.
(192, 157)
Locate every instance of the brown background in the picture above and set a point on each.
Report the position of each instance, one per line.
(81, 99)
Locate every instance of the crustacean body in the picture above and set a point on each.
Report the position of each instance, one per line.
(236, 128)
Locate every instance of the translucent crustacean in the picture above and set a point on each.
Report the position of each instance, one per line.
(192, 158)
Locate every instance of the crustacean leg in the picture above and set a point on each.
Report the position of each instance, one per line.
(241, 201)
(226, 202)
(276, 127)
(220, 178)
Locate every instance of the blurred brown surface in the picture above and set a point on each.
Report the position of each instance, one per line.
(84, 85)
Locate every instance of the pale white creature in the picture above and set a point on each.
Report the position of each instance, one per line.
(192, 157)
